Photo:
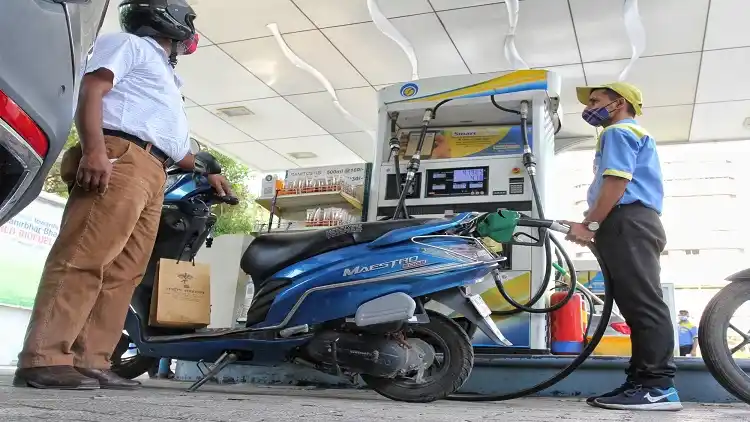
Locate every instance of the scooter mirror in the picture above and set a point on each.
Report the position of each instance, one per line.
(195, 146)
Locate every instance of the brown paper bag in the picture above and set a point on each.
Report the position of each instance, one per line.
(182, 295)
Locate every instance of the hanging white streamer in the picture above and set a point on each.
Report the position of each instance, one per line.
(511, 52)
(386, 27)
(636, 34)
(298, 62)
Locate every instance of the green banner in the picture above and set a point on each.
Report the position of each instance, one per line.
(25, 242)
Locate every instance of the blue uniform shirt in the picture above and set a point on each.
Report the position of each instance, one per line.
(688, 332)
(626, 150)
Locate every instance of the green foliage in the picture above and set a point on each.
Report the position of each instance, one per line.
(238, 219)
(241, 218)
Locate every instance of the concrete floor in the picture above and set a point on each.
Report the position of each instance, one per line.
(167, 401)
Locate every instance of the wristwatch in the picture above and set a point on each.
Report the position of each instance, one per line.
(592, 225)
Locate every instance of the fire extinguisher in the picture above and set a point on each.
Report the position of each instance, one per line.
(568, 324)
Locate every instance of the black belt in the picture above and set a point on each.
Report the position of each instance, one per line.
(149, 147)
(631, 204)
(636, 204)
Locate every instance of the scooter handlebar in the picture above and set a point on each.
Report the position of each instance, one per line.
(228, 199)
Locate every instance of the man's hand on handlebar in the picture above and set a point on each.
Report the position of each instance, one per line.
(220, 185)
(579, 233)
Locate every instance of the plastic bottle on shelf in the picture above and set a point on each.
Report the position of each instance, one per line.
(317, 217)
(333, 184)
(327, 217)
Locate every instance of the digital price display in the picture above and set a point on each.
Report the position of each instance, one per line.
(468, 175)
(457, 182)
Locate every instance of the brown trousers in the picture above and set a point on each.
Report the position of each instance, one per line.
(96, 262)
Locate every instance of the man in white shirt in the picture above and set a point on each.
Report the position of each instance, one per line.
(132, 126)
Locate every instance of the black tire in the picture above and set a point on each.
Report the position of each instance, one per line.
(459, 358)
(467, 326)
(712, 338)
(132, 367)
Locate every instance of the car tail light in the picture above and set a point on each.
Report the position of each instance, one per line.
(24, 125)
(621, 328)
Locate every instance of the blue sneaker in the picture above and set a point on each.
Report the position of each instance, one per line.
(627, 385)
(642, 398)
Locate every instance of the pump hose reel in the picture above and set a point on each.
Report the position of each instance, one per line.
(545, 239)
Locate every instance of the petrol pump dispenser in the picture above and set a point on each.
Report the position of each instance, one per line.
(474, 158)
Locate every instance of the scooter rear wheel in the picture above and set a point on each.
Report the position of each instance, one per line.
(714, 345)
(445, 376)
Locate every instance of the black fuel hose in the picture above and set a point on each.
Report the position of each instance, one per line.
(587, 350)
(402, 208)
(529, 309)
(608, 301)
(548, 241)
(600, 328)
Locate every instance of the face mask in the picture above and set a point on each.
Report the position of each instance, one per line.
(188, 46)
(684, 318)
(597, 116)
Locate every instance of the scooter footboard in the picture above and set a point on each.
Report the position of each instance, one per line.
(473, 308)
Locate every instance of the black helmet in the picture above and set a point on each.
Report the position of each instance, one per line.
(171, 19)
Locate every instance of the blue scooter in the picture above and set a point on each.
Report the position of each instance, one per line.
(348, 300)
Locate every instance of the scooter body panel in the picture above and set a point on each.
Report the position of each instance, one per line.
(326, 287)
(406, 233)
(209, 349)
(333, 285)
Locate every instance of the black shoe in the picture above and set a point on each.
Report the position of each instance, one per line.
(642, 398)
(627, 385)
(109, 380)
(54, 377)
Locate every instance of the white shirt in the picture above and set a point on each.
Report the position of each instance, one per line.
(145, 101)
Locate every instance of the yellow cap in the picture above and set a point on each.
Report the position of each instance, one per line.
(629, 92)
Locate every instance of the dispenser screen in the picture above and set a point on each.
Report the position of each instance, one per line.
(457, 182)
(468, 175)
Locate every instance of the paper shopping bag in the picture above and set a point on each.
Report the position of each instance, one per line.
(182, 295)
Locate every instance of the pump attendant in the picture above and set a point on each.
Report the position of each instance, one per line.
(623, 220)
(687, 334)
(132, 126)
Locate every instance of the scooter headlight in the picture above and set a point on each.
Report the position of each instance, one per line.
(172, 180)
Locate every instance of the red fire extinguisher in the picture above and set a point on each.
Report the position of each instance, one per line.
(568, 324)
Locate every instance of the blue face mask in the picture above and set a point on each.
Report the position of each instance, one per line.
(684, 318)
(597, 116)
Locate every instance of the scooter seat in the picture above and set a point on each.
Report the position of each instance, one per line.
(270, 253)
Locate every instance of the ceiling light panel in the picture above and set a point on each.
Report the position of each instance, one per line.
(274, 118)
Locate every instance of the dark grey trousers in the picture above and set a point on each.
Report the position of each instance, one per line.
(629, 243)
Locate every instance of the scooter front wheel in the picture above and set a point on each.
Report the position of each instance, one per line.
(450, 370)
(715, 328)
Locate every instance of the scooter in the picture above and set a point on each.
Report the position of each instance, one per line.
(349, 300)
(716, 325)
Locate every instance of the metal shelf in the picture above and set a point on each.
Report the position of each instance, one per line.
(287, 204)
